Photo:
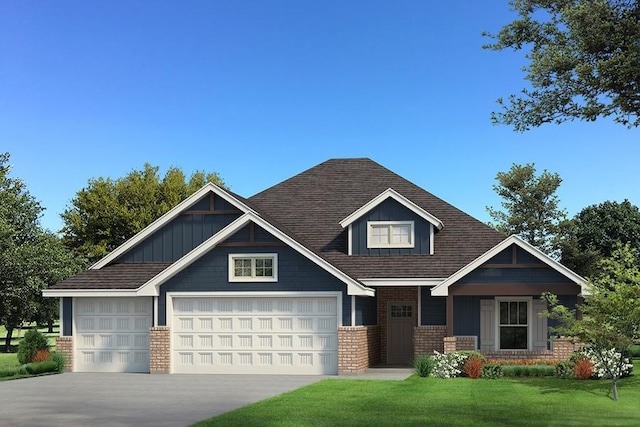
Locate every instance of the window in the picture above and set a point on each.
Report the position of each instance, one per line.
(253, 267)
(390, 234)
(513, 324)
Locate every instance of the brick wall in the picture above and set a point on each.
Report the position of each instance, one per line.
(64, 345)
(561, 349)
(160, 350)
(393, 294)
(426, 339)
(462, 343)
(358, 348)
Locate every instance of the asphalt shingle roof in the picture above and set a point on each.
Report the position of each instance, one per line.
(309, 207)
(311, 204)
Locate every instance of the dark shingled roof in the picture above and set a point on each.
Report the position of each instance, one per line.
(310, 206)
(114, 276)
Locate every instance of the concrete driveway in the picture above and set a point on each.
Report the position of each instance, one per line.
(79, 399)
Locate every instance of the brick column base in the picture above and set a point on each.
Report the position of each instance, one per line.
(64, 346)
(358, 348)
(426, 339)
(160, 350)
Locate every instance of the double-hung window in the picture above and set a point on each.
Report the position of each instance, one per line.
(390, 234)
(253, 267)
(513, 318)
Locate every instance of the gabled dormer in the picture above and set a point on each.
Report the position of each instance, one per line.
(391, 224)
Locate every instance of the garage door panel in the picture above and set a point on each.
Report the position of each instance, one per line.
(112, 334)
(284, 335)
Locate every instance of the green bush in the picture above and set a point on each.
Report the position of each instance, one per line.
(33, 341)
(41, 367)
(12, 371)
(564, 370)
(528, 371)
(423, 365)
(59, 360)
(492, 371)
(634, 351)
(473, 354)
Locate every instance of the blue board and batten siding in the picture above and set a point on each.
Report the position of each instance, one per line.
(182, 234)
(433, 310)
(295, 274)
(390, 210)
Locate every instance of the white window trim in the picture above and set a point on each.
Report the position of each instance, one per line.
(529, 301)
(253, 257)
(411, 243)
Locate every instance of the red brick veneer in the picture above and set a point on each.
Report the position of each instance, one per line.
(160, 350)
(64, 345)
(358, 348)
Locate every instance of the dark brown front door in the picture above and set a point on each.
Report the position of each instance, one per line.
(400, 324)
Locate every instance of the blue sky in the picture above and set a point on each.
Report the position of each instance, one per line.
(259, 91)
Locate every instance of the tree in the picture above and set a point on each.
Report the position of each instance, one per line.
(611, 313)
(583, 62)
(531, 206)
(108, 211)
(596, 231)
(31, 259)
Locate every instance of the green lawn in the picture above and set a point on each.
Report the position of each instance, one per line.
(8, 360)
(453, 402)
(18, 334)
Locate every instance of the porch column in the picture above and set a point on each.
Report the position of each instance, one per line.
(449, 315)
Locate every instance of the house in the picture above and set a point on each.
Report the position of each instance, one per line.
(344, 266)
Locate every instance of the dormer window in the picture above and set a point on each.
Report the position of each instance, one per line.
(390, 234)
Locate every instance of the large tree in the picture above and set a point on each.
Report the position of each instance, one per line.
(583, 61)
(530, 206)
(596, 231)
(31, 259)
(611, 312)
(108, 211)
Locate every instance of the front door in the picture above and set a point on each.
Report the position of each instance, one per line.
(400, 325)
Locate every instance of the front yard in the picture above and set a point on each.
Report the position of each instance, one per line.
(451, 402)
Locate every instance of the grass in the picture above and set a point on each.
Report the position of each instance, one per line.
(19, 333)
(451, 402)
(8, 360)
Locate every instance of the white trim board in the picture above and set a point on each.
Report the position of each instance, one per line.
(443, 288)
(391, 193)
(89, 293)
(423, 281)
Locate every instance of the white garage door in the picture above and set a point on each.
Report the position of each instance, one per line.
(256, 335)
(112, 334)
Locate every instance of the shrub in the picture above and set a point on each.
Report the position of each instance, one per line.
(472, 353)
(41, 355)
(423, 365)
(41, 367)
(492, 371)
(473, 367)
(606, 362)
(634, 351)
(583, 368)
(12, 371)
(30, 344)
(528, 371)
(564, 370)
(59, 360)
(447, 365)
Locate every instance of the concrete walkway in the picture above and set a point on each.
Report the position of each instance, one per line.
(383, 373)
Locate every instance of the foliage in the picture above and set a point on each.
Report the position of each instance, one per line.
(583, 62)
(608, 363)
(12, 371)
(472, 367)
(492, 371)
(59, 361)
(473, 354)
(583, 368)
(447, 365)
(423, 365)
(530, 206)
(564, 370)
(528, 362)
(595, 232)
(41, 367)
(528, 371)
(108, 211)
(611, 311)
(32, 342)
(634, 351)
(31, 258)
